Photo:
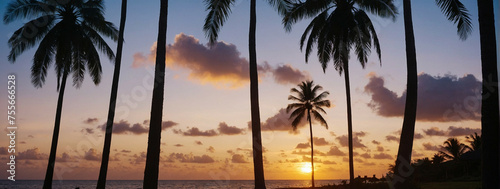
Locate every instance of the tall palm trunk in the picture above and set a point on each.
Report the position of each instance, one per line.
(258, 164)
(312, 146)
(153, 152)
(349, 120)
(410, 114)
(101, 182)
(47, 183)
(489, 109)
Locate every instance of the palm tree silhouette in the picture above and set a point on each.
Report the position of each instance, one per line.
(101, 182)
(474, 141)
(218, 11)
(337, 26)
(490, 120)
(153, 153)
(455, 12)
(308, 101)
(68, 34)
(453, 149)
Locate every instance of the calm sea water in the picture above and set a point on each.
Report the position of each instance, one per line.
(177, 184)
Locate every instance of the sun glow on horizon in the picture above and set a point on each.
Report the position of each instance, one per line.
(306, 168)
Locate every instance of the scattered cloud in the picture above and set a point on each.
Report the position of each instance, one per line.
(452, 131)
(418, 136)
(194, 131)
(302, 145)
(211, 149)
(278, 122)
(320, 142)
(92, 155)
(392, 138)
(430, 147)
(190, 158)
(178, 145)
(356, 142)
(220, 65)
(434, 131)
(4, 151)
(124, 127)
(442, 99)
(366, 155)
(126, 151)
(238, 158)
(375, 142)
(380, 148)
(65, 157)
(229, 130)
(461, 131)
(382, 155)
(32, 154)
(329, 162)
(91, 121)
(335, 151)
(197, 142)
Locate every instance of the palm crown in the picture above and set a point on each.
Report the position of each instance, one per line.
(337, 26)
(68, 32)
(308, 99)
(453, 149)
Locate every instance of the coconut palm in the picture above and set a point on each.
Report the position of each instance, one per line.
(474, 142)
(69, 34)
(453, 149)
(218, 11)
(307, 102)
(338, 26)
(101, 182)
(153, 153)
(437, 158)
(456, 12)
(490, 120)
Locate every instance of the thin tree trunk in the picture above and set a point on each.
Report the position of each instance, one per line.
(312, 146)
(407, 132)
(258, 164)
(349, 121)
(153, 152)
(490, 122)
(101, 182)
(47, 184)
(408, 129)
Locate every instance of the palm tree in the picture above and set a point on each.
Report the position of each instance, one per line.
(101, 182)
(68, 33)
(455, 12)
(490, 120)
(453, 149)
(218, 11)
(474, 141)
(308, 101)
(337, 26)
(437, 159)
(153, 153)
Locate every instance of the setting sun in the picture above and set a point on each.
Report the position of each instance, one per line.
(305, 168)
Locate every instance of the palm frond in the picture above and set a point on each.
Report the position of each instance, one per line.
(323, 103)
(382, 8)
(318, 117)
(297, 117)
(304, 10)
(98, 40)
(320, 97)
(26, 9)
(218, 11)
(28, 35)
(456, 12)
(282, 6)
(43, 56)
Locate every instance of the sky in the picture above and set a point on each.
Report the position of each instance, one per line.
(206, 114)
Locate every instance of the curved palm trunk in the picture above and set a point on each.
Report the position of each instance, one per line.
(490, 122)
(258, 164)
(47, 183)
(153, 153)
(410, 114)
(349, 120)
(312, 147)
(101, 182)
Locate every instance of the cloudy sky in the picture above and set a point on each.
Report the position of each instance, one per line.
(207, 108)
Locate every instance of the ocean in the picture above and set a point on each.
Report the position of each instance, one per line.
(177, 184)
